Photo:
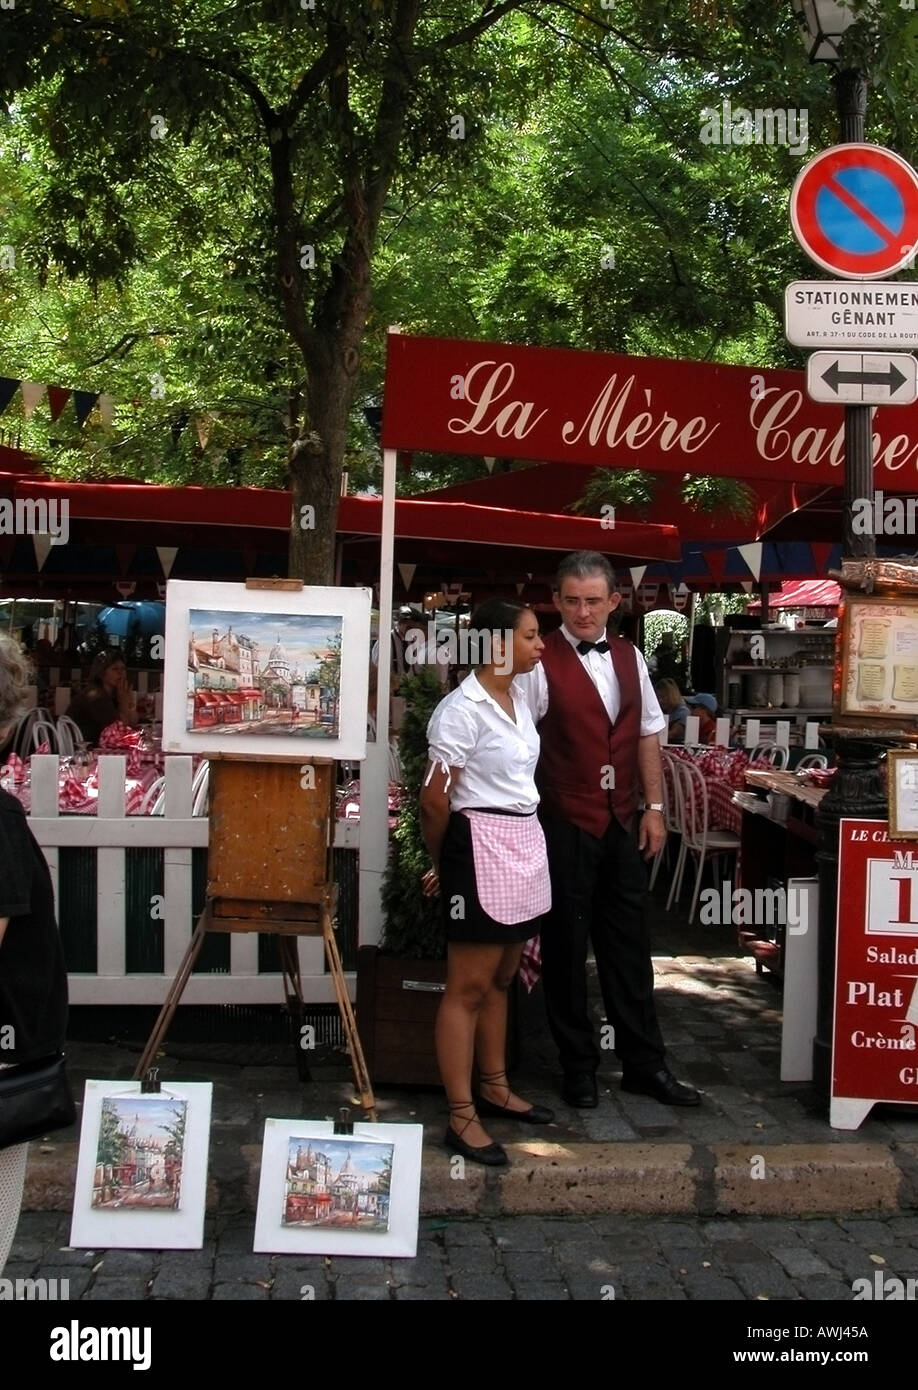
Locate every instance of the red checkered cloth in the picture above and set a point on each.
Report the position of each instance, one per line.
(724, 771)
(531, 963)
(13, 772)
(511, 866)
(121, 738)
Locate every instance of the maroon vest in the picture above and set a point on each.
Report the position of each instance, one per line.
(580, 743)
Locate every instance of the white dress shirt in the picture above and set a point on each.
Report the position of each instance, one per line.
(598, 666)
(498, 758)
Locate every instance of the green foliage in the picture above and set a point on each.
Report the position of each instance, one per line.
(708, 605)
(413, 923)
(110, 1146)
(660, 621)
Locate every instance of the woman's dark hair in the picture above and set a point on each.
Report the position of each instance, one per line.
(101, 662)
(497, 615)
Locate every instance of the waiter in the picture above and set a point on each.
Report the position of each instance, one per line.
(599, 722)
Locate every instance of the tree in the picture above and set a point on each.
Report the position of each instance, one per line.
(110, 1147)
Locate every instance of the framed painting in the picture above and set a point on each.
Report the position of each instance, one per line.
(876, 679)
(323, 1193)
(281, 674)
(141, 1180)
(902, 787)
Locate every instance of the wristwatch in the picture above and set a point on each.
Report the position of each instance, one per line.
(654, 806)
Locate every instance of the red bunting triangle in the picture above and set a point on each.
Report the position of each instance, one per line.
(821, 552)
(58, 396)
(716, 561)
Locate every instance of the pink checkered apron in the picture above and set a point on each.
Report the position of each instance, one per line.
(511, 865)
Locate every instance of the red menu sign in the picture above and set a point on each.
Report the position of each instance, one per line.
(875, 1037)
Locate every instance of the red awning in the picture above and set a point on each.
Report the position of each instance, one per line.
(803, 593)
(205, 697)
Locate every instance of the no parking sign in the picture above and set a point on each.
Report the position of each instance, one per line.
(854, 210)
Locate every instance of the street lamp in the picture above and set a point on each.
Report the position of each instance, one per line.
(822, 24)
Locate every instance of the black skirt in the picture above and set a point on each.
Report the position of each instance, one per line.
(463, 916)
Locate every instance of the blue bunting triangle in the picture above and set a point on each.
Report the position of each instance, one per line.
(8, 388)
(83, 402)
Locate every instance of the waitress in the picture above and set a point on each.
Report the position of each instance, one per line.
(478, 817)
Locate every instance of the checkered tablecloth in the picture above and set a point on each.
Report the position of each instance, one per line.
(75, 797)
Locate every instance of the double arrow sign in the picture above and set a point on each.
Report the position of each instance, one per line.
(865, 378)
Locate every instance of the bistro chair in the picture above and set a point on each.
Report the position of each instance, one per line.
(812, 760)
(774, 753)
(154, 798)
(43, 731)
(199, 789)
(69, 735)
(22, 738)
(669, 814)
(698, 838)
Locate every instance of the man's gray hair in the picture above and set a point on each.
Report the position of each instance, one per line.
(585, 564)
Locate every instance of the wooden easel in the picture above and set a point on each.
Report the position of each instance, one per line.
(269, 871)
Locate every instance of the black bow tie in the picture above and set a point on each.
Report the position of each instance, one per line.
(584, 647)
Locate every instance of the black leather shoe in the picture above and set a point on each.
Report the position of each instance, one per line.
(662, 1085)
(491, 1155)
(579, 1090)
(535, 1115)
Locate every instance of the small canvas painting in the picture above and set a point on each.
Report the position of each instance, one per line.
(141, 1181)
(256, 673)
(345, 1185)
(140, 1149)
(327, 1193)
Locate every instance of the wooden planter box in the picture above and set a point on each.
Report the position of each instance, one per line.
(397, 1003)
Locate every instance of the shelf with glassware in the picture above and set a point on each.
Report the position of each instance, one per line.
(776, 672)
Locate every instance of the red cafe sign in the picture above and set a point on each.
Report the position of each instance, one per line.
(875, 1033)
(449, 395)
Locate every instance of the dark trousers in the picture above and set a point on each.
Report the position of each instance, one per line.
(599, 890)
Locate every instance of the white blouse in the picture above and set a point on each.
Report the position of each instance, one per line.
(498, 758)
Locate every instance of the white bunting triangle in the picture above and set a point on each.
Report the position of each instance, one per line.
(106, 406)
(32, 393)
(752, 557)
(407, 573)
(747, 586)
(637, 574)
(167, 554)
(42, 543)
(489, 464)
(520, 587)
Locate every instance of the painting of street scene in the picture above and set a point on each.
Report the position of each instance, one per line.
(333, 1182)
(139, 1153)
(257, 673)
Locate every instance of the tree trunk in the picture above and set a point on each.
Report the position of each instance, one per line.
(316, 463)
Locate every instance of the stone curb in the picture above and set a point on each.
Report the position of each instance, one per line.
(596, 1179)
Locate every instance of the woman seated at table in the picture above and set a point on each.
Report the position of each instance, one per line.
(672, 703)
(105, 698)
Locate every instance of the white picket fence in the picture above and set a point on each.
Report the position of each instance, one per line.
(774, 731)
(109, 834)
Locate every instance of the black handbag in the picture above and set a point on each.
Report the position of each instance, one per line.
(35, 1099)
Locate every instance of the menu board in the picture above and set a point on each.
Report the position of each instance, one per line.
(879, 658)
(875, 1033)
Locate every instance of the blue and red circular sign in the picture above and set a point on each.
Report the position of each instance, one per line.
(854, 210)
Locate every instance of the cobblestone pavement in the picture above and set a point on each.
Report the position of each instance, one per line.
(522, 1259)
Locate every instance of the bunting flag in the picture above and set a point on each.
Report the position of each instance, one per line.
(716, 561)
(681, 597)
(58, 396)
(203, 425)
(106, 408)
(42, 546)
(407, 574)
(821, 552)
(32, 392)
(747, 586)
(9, 385)
(637, 574)
(83, 402)
(520, 586)
(125, 555)
(752, 557)
(167, 554)
(489, 464)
